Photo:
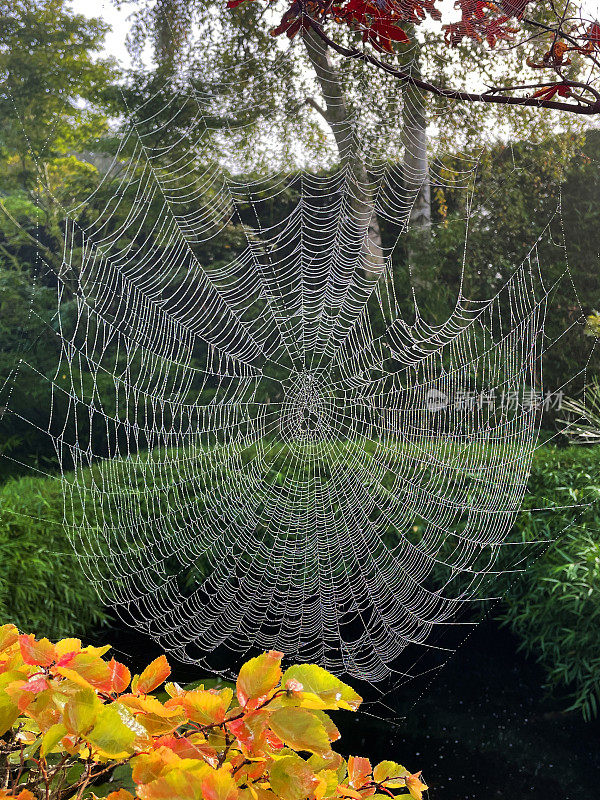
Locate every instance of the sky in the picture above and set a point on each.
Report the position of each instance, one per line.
(118, 20)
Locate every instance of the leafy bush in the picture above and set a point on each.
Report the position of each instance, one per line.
(554, 606)
(41, 584)
(583, 424)
(69, 721)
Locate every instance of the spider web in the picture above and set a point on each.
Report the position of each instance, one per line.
(289, 463)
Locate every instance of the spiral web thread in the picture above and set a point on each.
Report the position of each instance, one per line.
(289, 462)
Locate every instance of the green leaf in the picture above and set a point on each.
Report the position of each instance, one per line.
(51, 738)
(80, 711)
(321, 689)
(110, 734)
(292, 779)
(300, 729)
(9, 712)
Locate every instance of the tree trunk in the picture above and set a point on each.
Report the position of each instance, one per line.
(338, 118)
(416, 163)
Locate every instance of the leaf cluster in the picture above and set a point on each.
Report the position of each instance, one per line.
(69, 718)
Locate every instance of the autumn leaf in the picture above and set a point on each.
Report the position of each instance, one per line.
(80, 711)
(249, 730)
(190, 747)
(88, 665)
(300, 729)
(51, 738)
(121, 794)
(37, 653)
(155, 673)
(387, 771)
(219, 785)
(415, 786)
(257, 679)
(292, 779)
(359, 771)
(158, 719)
(8, 636)
(118, 679)
(110, 735)
(9, 712)
(202, 705)
(321, 690)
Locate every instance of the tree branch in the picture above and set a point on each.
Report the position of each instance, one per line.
(489, 96)
(310, 101)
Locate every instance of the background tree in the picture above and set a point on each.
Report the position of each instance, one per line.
(55, 98)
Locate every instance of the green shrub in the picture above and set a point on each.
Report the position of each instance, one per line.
(554, 606)
(41, 584)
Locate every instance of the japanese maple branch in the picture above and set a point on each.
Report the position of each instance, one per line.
(490, 96)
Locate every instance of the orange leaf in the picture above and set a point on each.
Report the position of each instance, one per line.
(118, 680)
(40, 653)
(345, 791)
(202, 705)
(249, 730)
(189, 748)
(88, 665)
(415, 785)
(155, 673)
(359, 771)
(219, 785)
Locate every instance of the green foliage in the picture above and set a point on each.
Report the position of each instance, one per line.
(551, 606)
(583, 423)
(41, 584)
(554, 606)
(47, 65)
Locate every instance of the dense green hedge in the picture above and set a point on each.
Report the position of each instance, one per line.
(553, 606)
(42, 588)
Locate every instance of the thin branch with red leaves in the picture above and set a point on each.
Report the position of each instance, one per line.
(383, 24)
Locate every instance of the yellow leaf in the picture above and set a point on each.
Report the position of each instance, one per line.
(8, 636)
(387, 771)
(292, 779)
(51, 738)
(66, 646)
(321, 689)
(156, 718)
(328, 781)
(300, 729)
(257, 678)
